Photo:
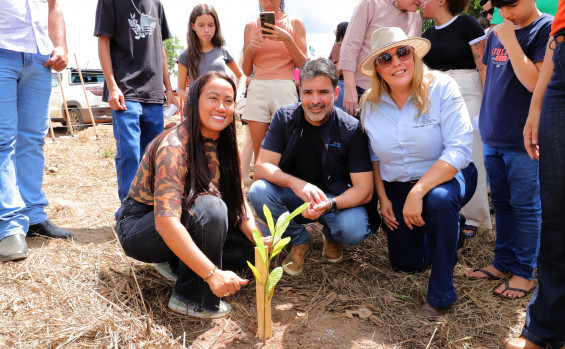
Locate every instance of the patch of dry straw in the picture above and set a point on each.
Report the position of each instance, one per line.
(81, 293)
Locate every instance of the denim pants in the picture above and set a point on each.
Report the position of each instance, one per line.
(25, 88)
(436, 241)
(349, 226)
(226, 247)
(134, 129)
(545, 317)
(515, 195)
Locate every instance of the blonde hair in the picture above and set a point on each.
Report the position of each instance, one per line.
(421, 81)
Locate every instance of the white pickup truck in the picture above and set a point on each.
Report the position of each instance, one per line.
(76, 102)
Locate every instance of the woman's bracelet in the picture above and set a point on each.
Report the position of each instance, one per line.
(210, 273)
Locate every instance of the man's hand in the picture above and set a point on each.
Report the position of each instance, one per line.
(308, 192)
(116, 99)
(172, 99)
(350, 98)
(505, 32)
(412, 211)
(58, 60)
(314, 211)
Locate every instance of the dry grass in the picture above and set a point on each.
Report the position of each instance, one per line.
(82, 293)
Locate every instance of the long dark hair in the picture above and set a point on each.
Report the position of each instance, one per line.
(194, 48)
(198, 178)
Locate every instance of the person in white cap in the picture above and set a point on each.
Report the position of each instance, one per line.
(420, 139)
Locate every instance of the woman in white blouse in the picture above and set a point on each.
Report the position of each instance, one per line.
(420, 139)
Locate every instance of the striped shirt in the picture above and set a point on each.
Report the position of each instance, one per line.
(23, 26)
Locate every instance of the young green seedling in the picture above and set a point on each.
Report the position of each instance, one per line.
(269, 282)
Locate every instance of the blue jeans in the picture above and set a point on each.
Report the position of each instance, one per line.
(545, 317)
(349, 226)
(25, 88)
(134, 129)
(435, 242)
(225, 246)
(515, 195)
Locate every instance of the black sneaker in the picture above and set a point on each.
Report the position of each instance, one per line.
(49, 229)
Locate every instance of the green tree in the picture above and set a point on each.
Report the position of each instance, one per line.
(173, 48)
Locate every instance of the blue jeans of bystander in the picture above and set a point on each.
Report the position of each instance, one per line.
(545, 317)
(25, 87)
(134, 129)
(515, 195)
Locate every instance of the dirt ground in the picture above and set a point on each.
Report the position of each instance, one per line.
(83, 293)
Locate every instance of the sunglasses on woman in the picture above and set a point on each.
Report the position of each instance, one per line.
(490, 11)
(403, 53)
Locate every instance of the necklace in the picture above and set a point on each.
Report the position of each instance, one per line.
(141, 13)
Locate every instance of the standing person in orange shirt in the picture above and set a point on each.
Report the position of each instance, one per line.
(273, 52)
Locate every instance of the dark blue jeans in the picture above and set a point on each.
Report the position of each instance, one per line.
(545, 317)
(225, 246)
(515, 195)
(436, 242)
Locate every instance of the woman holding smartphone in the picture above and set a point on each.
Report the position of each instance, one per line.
(273, 51)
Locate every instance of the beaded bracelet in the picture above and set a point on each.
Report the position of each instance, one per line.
(210, 273)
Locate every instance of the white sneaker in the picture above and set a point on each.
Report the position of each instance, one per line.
(165, 270)
(179, 306)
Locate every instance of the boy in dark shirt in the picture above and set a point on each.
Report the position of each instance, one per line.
(130, 46)
(513, 56)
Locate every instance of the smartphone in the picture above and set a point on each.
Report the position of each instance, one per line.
(267, 17)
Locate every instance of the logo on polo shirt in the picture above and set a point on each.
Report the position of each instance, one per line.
(423, 121)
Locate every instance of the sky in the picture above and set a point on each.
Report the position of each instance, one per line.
(320, 18)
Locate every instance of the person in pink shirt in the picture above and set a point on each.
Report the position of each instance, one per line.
(368, 16)
(273, 55)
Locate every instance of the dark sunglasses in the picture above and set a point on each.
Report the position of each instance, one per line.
(403, 53)
(490, 11)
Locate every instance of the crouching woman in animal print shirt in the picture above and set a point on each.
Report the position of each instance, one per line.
(186, 211)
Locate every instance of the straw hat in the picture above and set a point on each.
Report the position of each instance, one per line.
(385, 38)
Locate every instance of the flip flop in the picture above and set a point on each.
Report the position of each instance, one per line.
(508, 288)
(472, 228)
(490, 275)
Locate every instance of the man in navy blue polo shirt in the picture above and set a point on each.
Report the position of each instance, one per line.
(316, 153)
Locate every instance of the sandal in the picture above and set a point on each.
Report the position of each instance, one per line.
(508, 288)
(490, 276)
(469, 230)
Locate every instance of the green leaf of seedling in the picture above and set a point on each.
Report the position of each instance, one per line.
(280, 222)
(259, 242)
(269, 218)
(284, 224)
(255, 272)
(279, 246)
(274, 278)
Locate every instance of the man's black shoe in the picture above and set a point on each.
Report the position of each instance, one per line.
(49, 229)
(13, 247)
